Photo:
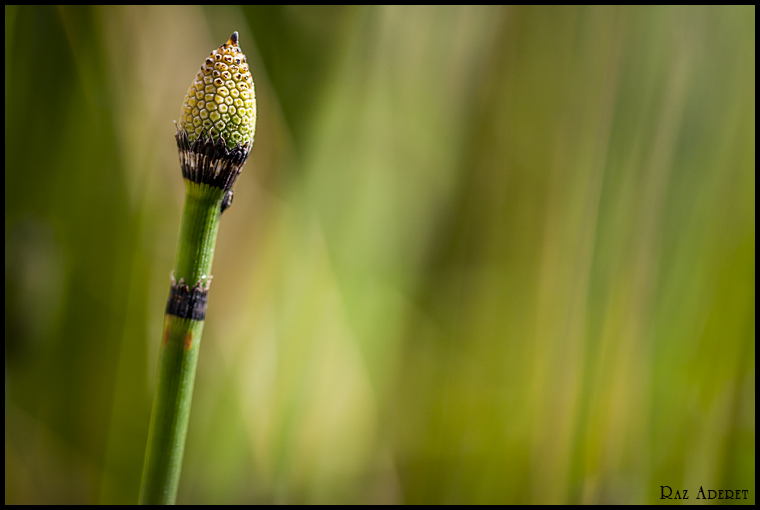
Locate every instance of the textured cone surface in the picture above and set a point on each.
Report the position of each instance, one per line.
(221, 101)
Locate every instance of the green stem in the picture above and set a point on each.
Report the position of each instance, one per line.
(179, 349)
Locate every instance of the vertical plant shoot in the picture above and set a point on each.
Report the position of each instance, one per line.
(214, 136)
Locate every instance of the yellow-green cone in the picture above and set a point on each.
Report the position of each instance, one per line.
(221, 101)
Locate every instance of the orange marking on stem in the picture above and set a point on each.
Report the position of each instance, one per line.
(167, 330)
(188, 340)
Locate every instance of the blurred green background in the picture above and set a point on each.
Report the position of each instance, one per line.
(478, 254)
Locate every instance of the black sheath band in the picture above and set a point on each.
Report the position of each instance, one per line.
(187, 303)
(208, 162)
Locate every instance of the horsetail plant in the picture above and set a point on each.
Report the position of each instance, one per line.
(214, 136)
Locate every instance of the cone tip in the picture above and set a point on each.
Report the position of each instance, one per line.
(233, 39)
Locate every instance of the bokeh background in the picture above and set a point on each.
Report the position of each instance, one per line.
(478, 254)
